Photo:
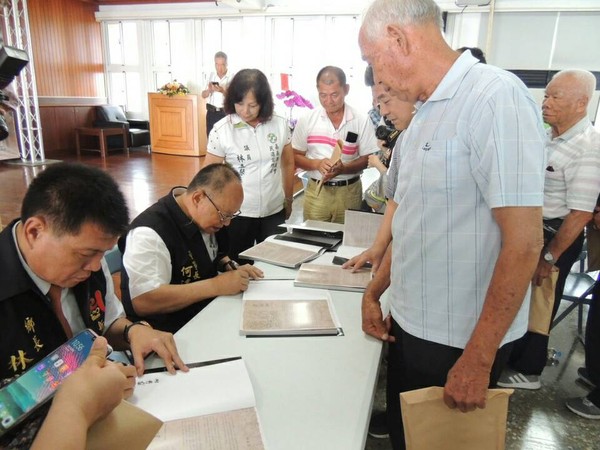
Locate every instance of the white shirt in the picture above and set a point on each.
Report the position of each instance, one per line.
(476, 144)
(316, 136)
(114, 308)
(148, 261)
(256, 154)
(216, 98)
(573, 170)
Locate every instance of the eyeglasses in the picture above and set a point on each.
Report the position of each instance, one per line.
(224, 217)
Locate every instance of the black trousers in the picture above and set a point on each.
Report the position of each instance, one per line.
(531, 351)
(244, 232)
(213, 117)
(415, 363)
(592, 345)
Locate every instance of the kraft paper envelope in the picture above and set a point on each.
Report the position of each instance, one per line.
(429, 424)
(335, 157)
(541, 304)
(126, 427)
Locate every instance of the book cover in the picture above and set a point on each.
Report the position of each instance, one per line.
(287, 317)
(332, 277)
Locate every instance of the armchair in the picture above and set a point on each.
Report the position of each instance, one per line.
(111, 116)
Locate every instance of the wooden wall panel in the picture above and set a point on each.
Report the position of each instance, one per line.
(67, 48)
(59, 123)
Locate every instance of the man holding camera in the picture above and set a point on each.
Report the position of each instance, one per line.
(215, 91)
(334, 183)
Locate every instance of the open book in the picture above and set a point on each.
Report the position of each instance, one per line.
(332, 277)
(212, 405)
(313, 232)
(282, 253)
(277, 308)
(331, 228)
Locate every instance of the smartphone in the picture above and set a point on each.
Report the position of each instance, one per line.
(339, 260)
(37, 385)
(214, 83)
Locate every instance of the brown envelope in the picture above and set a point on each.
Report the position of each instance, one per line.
(335, 157)
(430, 424)
(541, 304)
(126, 427)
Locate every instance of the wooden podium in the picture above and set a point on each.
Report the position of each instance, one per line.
(178, 124)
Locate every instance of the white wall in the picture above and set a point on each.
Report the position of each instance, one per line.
(515, 34)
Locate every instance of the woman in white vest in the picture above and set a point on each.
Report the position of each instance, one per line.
(257, 144)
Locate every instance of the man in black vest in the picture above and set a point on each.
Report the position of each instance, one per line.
(54, 281)
(173, 253)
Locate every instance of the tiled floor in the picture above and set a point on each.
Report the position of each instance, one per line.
(539, 420)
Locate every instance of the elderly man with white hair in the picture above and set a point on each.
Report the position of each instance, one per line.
(571, 188)
(467, 229)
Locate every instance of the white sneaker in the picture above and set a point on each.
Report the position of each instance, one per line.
(517, 380)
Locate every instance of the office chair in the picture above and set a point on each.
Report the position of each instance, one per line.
(114, 259)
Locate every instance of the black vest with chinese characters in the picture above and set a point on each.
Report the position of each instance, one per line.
(30, 330)
(190, 260)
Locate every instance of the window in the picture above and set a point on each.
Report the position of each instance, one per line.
(143, 55)
(123, 68)
(171, 52)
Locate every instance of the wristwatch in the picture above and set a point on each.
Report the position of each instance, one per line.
(233, 264)
(549, 258)
(128, 327)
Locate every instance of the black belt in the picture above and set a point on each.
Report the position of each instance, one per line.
(210, 107)
(339, 182)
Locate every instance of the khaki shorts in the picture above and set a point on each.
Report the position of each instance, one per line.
(332, 202)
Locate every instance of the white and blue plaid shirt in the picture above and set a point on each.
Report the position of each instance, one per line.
(476, 144)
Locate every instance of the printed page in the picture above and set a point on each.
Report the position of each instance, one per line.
(332, 277)
(282, 290)
(360, 228)
(237, 429)
(273, 317)
(315, 225)
(202, 390)
(283, 253)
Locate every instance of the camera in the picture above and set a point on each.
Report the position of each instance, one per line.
(388, 135)
(12, 61)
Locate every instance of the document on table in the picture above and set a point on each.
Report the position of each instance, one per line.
(237, 429)
(207, 404)
(316, 225)
(277, 308)
(332, 277)
(282, 253)
(360, 228)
